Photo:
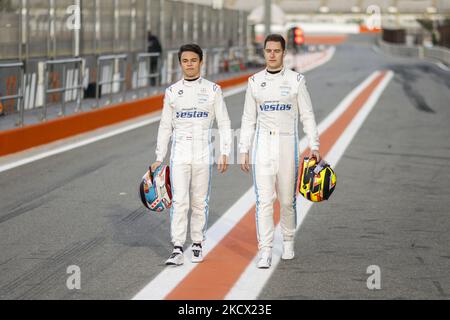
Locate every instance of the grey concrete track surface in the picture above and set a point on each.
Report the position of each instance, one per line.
(390, 207)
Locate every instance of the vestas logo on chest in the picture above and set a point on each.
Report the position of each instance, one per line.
(275, 107)
(192, 114)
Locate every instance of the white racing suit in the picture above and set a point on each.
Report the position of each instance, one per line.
(273, 103)
(189, 110)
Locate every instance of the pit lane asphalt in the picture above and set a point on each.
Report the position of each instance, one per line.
(390, 207)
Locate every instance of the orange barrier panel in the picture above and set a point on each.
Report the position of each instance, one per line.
(332, 39)
(19, 139)
(364, 29)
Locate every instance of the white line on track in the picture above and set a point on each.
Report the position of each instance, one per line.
(442, 66)
(77, 144)
(169, 278)
(252, 280)
(438, 63)
(329, 53)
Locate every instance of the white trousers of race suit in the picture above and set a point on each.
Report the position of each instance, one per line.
(190, 170)
(275, 173)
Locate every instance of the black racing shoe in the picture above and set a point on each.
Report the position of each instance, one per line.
(197, 254)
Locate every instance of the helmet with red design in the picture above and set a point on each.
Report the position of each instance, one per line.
(155, 189)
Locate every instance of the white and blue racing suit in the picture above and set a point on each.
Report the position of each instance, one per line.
(190, 108)
(273, 103)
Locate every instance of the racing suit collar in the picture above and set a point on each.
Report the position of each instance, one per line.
(270, 76)
(192, 83)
